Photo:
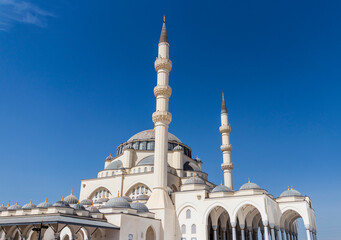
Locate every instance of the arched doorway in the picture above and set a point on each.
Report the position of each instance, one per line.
(291, 221)
(219, 224)
(249, 224)
(150, 234)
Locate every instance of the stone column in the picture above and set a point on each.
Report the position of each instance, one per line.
(272, 230)
(282, 234)
(278, 233)
(250, 232)
(234, 231)
(307, 227)
(266, 233)
(224, 233)
(242, 231)
(215, 234)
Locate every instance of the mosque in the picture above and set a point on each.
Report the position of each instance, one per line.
(153, 189)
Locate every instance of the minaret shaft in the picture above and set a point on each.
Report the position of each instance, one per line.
(226, 147)
(159, 201)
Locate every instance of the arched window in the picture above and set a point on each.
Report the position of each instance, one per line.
(139, 170)
(113, 173)
(183, 229)
(138, 190)
(188, 214)
(194, 229)
(145, 169)
(152, 169)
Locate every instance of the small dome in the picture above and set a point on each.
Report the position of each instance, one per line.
(3, 207)
(221, 188)
(128, 199)
(194, 180)
(29, 205)
(143, 197)
(146, 161)
(140, 207)
(86, 202)
(249, 185)
(109, 157)
(116, 165)
(178, 148)
(61, 203)
(150, 135)
(291, 193)
(44, 204)
(14, 207)
(78, 206)
(71, 199)
(118, 202)
(93, 209)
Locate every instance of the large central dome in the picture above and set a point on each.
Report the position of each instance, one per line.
(150, 134)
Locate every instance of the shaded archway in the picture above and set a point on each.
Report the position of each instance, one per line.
(219, 224)
(289, 225)
(249, 223)
(150, 234)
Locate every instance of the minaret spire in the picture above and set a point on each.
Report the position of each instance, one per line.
(223, 105)
(159, 201)
(164, 36)
(226, 147)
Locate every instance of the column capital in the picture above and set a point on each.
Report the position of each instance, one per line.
(233, 224)
(307, 226)
(215, 227)
(265, 223)
(242, 226)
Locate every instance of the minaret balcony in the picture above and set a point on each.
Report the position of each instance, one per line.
(225, 129)
(163, 90)
(163, 63)
(227, 166)
(162, 116)
(226, 147)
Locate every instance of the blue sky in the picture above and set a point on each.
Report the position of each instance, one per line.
(77, 78)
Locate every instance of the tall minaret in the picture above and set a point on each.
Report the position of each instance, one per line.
(159, 201)
(226, 147)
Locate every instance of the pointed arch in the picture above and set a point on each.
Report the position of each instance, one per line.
(250, 205)
(150, 233)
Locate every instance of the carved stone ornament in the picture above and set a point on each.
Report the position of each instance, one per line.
(224, 148)
(162, 90)
(163, 63)
(227, 166)
(161, 116)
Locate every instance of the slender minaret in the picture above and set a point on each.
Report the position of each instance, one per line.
(159, 201)
(226, 147)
